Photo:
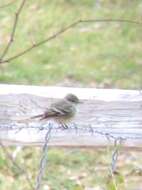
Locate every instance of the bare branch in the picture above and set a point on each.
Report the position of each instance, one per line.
(11, 40)
(58, 33)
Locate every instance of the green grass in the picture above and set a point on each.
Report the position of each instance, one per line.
(73, 170)
(91, 54)
(100, 54)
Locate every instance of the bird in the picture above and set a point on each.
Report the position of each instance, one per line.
(61, 111)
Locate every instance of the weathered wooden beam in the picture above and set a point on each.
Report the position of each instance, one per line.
(105, 116)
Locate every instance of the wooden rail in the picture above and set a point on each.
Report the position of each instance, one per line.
(105, 116)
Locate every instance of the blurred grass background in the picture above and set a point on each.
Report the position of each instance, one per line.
(102, 55)
(91, 54)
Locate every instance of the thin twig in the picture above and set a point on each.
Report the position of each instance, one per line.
(58, 33)
(12, 36)
(22, 170)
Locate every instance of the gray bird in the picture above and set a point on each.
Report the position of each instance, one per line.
(61, 111)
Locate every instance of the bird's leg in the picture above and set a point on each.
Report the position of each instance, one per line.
(64, 125)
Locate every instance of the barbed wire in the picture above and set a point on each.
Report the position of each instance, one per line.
(50, 129)
(43, 160)
(72, 128)
(117, 144)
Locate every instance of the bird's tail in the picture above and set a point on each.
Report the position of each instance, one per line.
(29, 119)
(37, 116)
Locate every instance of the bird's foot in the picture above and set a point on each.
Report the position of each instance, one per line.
(64, 126)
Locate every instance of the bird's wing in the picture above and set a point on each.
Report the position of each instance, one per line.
(61, 108)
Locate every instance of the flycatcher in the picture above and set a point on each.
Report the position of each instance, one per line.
(61, 111)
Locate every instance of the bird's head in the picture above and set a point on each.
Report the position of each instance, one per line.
(72, 98)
